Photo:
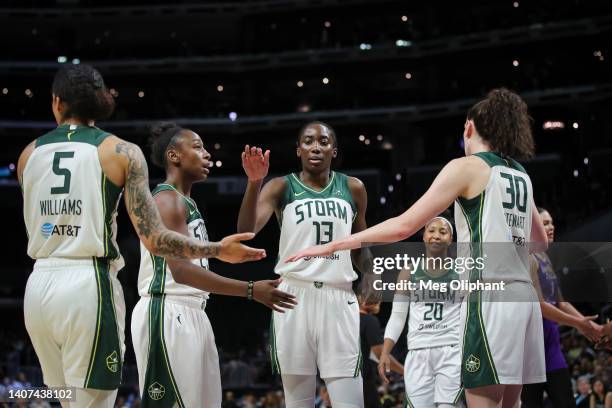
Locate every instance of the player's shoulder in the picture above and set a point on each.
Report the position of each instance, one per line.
(168, 200)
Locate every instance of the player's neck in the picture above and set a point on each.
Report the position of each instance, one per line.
(73, 121)
(315, 180)
(182, 186)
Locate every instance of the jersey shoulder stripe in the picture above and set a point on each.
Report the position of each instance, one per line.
(72, 133)
(192, 213)
(496, 159)
(337, 187)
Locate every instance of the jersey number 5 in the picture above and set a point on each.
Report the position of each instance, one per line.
(65, 189)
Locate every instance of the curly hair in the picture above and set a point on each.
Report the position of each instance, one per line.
(164, 135)
(84, 93)
(502, 119)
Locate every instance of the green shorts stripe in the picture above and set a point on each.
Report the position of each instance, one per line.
(359, 364)
(273, 351)
(160, 389)
(105, 361)
(477, 366)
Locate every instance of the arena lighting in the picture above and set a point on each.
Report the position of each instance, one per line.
(76, 61)
(233, 116)
(575, 125)
(62, 59)
(219, 88)
(4, 91)
(553, 124)
(403, 43)
(383, 200)
(300, 84)
(365, 46)
(325, 80)
(408, 75)
(586, 160)
(361, 138)
(303, 107)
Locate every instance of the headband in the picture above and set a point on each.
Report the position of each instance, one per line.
(450, 226)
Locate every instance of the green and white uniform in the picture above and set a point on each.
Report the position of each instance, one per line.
(496, 225)
(170, 328)
(322, 331)
(432, 371)
(74, 307)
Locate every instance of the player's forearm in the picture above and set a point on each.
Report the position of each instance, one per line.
(557, 315)
(570, 309)
(187, 273)
(170, 244)
(388, 345)
(392, 230)
(247, 217)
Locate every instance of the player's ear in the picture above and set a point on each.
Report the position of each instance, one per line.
(172, 156)
(468, 128)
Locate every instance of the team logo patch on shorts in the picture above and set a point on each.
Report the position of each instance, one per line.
(112, 362)
(156, 391)
(472, 364)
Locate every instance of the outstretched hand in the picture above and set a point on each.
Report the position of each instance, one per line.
(267, 293)
(318, 250)
(255, 163)
(233, 251)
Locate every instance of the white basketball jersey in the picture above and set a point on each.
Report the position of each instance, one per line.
(311, 217)
(434, 316)
(154, 275)
(498, 222)
(70, 206)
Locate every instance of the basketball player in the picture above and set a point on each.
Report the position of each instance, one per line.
(555, 310)
(493, 203)
(72, 178)
(432, 371)
(169, 325)
(313, 206)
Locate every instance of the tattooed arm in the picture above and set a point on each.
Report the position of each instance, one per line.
(127, 164)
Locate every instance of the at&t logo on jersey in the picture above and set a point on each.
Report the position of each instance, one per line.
(49, 229)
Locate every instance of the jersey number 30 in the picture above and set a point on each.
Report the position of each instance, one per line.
(65, 189)
(517, 189)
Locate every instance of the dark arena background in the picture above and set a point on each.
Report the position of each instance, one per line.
(394, 78)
